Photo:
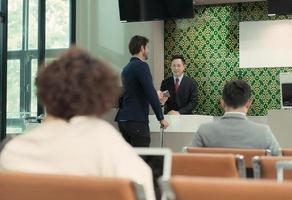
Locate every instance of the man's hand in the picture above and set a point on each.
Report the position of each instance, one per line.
(162, 98)
(164, 124)
(173, 112)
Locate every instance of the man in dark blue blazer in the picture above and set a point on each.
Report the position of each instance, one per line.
(138, 92)
(182, 89)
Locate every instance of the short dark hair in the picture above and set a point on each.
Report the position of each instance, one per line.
(77, 84)
(136, 43)
(178, 56)
(236, 93)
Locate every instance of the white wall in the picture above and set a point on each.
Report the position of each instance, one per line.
(280, 123)
(100, 31)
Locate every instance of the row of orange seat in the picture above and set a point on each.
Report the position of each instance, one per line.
(26, 186)
(222, 182)
(214, 173)
(210, 188)
(227, 162)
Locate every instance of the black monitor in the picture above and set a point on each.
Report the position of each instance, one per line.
(286, 89)
(159, 160)
(279, 7)
(150, 10)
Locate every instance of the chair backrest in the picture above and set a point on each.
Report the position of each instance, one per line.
(24, 186)
(206, 188)
(265, 167)
(246, 152)
(286, 151)
(282, 165)
(213, 165)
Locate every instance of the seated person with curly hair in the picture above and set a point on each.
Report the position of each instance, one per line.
(76, 89)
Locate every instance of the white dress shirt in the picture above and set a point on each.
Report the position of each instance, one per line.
(85, 146)
(179, 79)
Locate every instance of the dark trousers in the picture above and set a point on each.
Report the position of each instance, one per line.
(135, 133)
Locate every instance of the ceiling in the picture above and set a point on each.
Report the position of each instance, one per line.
(204, 2)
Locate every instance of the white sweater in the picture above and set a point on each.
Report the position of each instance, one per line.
(85, 146)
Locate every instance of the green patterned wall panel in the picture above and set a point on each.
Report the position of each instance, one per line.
(210, 44)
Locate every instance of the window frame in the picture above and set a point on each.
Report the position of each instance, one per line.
(26, 55)
(3, 68)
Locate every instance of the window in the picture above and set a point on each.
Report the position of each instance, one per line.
(57, 19)
(25, 36)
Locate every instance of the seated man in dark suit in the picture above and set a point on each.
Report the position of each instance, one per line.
(233, 129)
(182, 89)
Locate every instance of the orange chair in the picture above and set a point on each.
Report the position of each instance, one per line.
(213, 165)
(206, 188)
(286, 151)
(247, 153)
(24, 186)
(265, 167)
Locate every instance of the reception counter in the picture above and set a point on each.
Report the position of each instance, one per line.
(180, 131)
(180, 123)
(280, 121)
(182, 127)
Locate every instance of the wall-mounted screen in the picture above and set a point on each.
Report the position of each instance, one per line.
(286, 90)
(279, 7)
(287, 95)
(149, 10)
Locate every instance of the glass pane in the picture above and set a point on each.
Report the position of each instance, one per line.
(13, 88)
(57, 19)
(1, 45)
(33, 101)
(15, 10)
(33, 24)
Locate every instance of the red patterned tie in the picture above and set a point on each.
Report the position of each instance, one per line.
(176, 84)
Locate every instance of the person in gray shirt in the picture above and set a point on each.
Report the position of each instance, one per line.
(233, 129)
